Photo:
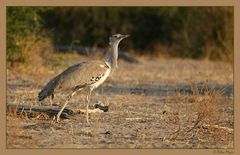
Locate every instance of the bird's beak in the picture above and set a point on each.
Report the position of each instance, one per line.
(125, 36)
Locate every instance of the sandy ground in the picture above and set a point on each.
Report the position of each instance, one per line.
(155, 104)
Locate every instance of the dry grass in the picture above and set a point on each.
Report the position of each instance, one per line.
(199, 114)
(156, 104)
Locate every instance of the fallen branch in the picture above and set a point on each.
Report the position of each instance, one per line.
(49, 110)
(52, 110)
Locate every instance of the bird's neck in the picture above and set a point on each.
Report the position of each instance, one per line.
(113, 56)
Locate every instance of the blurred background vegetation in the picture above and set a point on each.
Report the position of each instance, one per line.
(185, 32)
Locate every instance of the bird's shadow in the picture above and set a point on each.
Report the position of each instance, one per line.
(166, 90)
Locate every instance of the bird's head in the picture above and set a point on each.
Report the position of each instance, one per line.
(116, 38)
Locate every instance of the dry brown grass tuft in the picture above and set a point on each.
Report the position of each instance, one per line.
(206, 104)
(200, 121)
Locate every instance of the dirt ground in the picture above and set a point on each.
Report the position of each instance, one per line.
(154, 104)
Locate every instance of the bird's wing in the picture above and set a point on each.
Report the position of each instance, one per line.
(79, 75)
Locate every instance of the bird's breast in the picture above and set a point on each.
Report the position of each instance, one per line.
(99, 79)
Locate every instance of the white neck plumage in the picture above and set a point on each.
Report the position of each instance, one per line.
(113, 56)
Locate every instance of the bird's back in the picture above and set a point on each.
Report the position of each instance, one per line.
(80, 75)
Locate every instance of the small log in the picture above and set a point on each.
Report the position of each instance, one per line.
(49, 110)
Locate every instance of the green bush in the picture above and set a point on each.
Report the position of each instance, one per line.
(186, 31)
(21, 22)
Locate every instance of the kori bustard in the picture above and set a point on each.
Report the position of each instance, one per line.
(85, 75)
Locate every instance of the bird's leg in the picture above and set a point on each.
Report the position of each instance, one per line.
(51, 99)
(65, 104)
(88, 100)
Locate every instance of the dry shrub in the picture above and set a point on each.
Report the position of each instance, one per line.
(206, 109)
(206, 103)
(208, 117)
(203, 117)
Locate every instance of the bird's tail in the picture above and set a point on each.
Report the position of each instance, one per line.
(42, 95)
(46, 91)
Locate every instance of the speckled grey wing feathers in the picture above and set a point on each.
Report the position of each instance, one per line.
(76, 76)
